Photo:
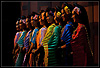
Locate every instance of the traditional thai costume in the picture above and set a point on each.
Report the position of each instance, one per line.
(26, 41)
(45, 42)
(52, 46)
(26, 45)
(20, 44)
(40, 50)
(16, 38)
(66, 37)
(15, 41)
(33, 40)
(80, 46)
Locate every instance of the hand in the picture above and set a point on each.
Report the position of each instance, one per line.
(13, 51)
(64, 46)
(71, 52)
(43, 64)
(16, 51)
(33, 51)
(28, 53)
(59, 47)
(23, 48)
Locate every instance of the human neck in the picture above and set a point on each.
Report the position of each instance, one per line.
(59, 23)
(36, 27)
(30, 29)
(68, 21)
(44, 26)
(23, 30)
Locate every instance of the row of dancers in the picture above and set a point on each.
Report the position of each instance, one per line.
(55, 37)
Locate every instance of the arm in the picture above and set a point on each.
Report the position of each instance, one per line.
(66, 37)
(33, 41)
(30, 49)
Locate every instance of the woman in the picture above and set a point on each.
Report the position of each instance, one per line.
(66, 36)
(54, 58)
(82, 53)
(21, 44)
(15, 41)
(26, 41)
(33, 46)
(49, 17)
(40, 36)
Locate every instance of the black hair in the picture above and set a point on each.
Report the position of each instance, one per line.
(41, 11)
(83, 17)
(23, 17)
(48, 9)
(33, 13)
(58, 9)
(30, 26)
(18, 19)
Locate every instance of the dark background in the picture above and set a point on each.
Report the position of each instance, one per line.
(11, 11)
(10, 14)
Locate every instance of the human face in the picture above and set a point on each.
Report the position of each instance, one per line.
(20, 26)
(73, 16)
(63, 17)
(47, 14)
(26, 19)
(17, 27)
(31, 17)
(20, 21)
(42, 19)
(62, 11)
(27, 25)
(49, 19)
(32, 22)
(55, 13)
(55, 19)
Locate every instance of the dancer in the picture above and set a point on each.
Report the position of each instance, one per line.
(80, 41)
(67, 35)
(21, 44)
(15, 41)
(26, 41)
(49, 17)
(33, 46)
(40, 36)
